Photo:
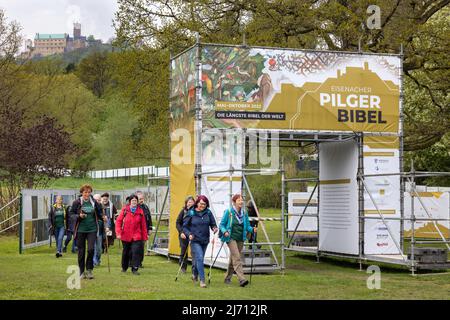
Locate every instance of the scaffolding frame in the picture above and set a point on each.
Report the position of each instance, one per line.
(310, 136)
(159, 214)
(402, 259)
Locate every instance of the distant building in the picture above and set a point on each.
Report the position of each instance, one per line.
(48, 44)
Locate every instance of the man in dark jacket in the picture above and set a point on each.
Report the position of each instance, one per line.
(148, 220)
(110, 211)
(71, 222)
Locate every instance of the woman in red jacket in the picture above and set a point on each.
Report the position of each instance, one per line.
(131, 228)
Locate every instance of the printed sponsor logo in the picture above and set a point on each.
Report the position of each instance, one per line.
(382, 244)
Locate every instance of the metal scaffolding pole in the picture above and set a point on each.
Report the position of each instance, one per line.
(262, 223)
(412, 186)
(302, 215)
(283, 216)
(360, 140)
(318, 203)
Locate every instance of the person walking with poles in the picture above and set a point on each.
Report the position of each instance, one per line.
(110, 211)
(196, 228)
(188, 203)
(58, 219)
(98, 249)
(148, 221)
(89, 213)
(234, 228)
(131, 229)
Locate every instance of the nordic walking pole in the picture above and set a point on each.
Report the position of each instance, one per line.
(182, 261)
(253, 255)
(210, 267)
(106, 238)
(212, 252)
(107, 248)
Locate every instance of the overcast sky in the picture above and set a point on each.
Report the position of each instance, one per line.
(58, 16)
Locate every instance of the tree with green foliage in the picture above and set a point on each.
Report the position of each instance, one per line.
(420, 26)
(94, 72)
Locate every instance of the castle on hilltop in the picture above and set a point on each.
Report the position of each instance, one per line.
(47, 44)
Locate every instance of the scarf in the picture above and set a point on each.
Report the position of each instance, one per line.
(239, 215)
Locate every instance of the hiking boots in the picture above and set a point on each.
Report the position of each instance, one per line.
(135, 272)
(227, 281)
(89, 274)
(243, 283)
(202, 284)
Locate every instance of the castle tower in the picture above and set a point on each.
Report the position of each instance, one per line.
(76, 30)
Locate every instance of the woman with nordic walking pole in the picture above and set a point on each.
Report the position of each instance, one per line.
(234, 228)
(184, 243)
(196, 228)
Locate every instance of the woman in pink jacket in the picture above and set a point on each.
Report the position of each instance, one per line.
(131, 228)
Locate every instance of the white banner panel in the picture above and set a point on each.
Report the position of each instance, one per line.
(338, 206)
(219, 149)
(296, 204)
(438, 206)
(385, 192)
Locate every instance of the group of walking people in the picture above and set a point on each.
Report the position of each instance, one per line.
(94, 220)
(194, 224)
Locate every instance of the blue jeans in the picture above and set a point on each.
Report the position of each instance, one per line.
(98, 249)
(198, 250)
(59, 236)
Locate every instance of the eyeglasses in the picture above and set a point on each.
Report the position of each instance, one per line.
(202, 203)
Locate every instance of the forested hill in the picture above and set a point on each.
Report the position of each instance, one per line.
(108, 107)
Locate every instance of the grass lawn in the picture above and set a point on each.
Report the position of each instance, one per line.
(38, 274)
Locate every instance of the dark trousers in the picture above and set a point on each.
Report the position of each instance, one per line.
(184, 244)
(81, 243)
(131, 254)
(143, 253)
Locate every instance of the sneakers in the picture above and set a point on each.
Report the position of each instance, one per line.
(202, 284)
(227, 281)
(89, 274)
(183, 270)
(243, 283)
(58, 255)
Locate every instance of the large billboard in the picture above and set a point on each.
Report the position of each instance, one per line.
(299, 90)
(182, 115)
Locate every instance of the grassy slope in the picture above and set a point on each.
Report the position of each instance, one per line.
(37, 274)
